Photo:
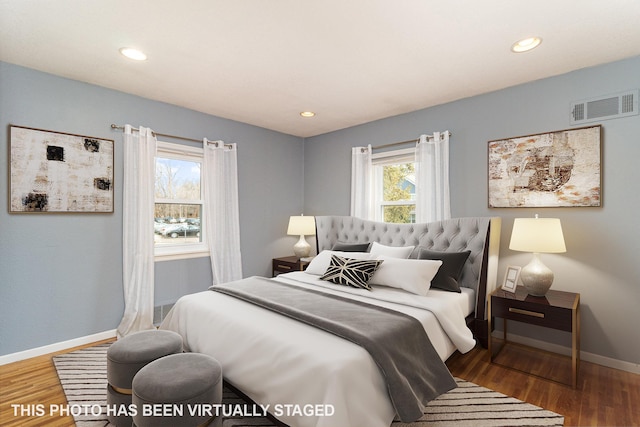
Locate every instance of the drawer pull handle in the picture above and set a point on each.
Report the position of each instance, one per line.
(526, 312)
(284, 267)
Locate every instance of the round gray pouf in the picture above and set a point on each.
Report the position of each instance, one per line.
(125, 358)
(177, 390)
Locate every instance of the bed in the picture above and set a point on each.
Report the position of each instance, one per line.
(312, 378)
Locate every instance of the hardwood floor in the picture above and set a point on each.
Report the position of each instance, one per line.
(605, 396)
(32, 382)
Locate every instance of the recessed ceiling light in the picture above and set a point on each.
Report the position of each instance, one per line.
(526, 44)
(134, 54)
(307, 114)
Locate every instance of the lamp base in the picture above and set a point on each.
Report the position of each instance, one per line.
(536, 277)
(302, 248)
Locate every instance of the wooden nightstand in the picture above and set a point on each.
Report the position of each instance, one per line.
(556, 310)
(287, 264)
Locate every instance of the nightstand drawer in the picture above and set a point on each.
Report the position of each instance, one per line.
(281, 266)
(287, 264)
(534, 313)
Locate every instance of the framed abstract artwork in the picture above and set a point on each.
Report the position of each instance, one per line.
(554, 169)
(59, 172)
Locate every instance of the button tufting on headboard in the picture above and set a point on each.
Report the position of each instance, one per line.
(454, 235)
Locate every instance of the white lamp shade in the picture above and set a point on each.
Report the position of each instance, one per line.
(302, 226)
(539, 235)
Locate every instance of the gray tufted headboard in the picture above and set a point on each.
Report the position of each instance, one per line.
(480, 235)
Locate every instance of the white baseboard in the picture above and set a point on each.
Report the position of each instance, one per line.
(622, 365)
(51, 348)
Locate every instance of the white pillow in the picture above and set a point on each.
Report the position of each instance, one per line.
(412, 275)
(320, 263)
(391, 251)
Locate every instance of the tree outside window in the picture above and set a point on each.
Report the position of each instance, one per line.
(398, 188)
(398, 193)
(178, 200)
(394, 186)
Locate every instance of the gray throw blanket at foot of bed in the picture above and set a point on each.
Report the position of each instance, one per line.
(397, 342)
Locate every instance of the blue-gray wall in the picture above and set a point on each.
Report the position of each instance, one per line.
(602, 261)
(61, 274)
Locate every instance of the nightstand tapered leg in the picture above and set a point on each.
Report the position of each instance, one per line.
(575, 345)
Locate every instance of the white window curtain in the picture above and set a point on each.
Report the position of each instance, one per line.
(221, 212)
(137, 237)
(432, 178)
(362, 183)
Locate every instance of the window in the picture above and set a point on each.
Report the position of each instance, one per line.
(178, 216)
(395, 186)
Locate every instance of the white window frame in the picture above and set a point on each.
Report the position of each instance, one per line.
(387, 158)
(183, 250)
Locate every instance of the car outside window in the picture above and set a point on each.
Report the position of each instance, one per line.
(178, 216)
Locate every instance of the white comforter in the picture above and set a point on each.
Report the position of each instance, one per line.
(278, 361)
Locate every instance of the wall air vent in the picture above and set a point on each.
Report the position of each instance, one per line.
(605, 107)
(160, 312)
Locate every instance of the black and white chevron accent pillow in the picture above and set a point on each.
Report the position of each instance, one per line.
(351, 272)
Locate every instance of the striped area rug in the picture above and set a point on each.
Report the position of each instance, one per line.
(83, 375)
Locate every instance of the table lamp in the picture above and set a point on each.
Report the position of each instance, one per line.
(537, 235)
(302, 226)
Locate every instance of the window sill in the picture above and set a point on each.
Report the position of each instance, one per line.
(182, 255)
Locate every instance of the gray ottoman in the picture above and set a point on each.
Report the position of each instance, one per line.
(177, 391)
(125, 358)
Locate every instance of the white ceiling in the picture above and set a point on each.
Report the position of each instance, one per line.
(351, 61)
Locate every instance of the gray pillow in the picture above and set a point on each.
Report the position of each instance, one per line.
(351, 247)
(449, 273)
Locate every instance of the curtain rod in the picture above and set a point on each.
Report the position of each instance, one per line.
(113, 126)
(393, 144)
